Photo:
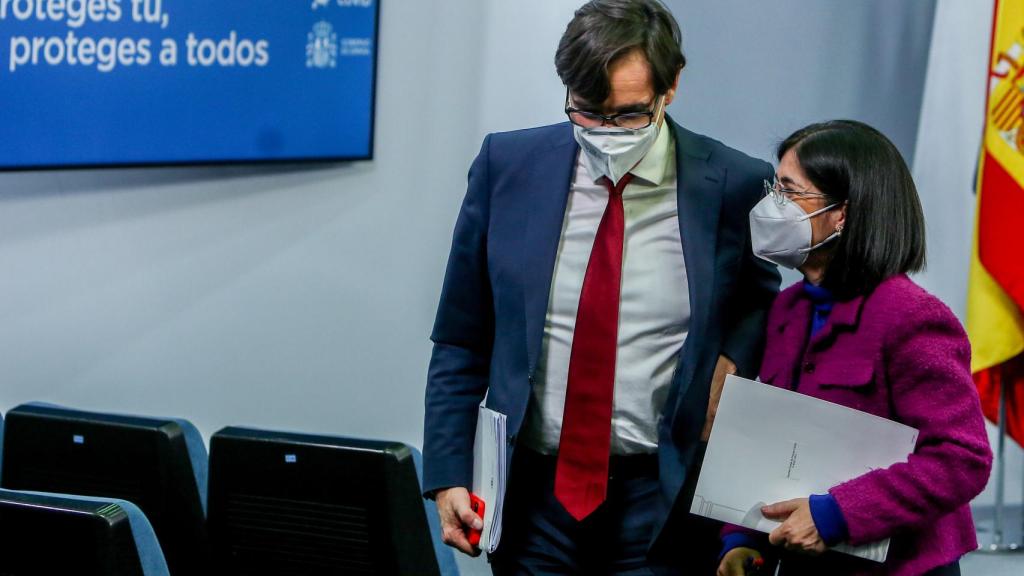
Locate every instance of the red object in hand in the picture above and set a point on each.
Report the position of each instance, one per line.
(477, 506)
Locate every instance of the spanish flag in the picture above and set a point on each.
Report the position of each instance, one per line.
(996, 287)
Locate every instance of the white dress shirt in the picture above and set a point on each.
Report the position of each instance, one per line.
(654, 308)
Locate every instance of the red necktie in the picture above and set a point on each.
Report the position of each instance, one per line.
(581, 475)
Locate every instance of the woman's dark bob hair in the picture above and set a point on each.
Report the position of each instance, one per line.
(604, 30)
(884, 234)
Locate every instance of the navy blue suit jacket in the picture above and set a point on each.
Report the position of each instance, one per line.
(490, 321)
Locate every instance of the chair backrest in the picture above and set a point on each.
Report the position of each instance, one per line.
(298, 504)
(157, 464)
(60, 534)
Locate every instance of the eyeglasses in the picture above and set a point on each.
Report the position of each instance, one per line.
(629, 120)
(783, 195)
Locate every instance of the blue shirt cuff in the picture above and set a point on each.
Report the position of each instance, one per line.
(828, 519)
(737, 540)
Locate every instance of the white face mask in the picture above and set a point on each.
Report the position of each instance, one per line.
(612, 151)
(781, 233)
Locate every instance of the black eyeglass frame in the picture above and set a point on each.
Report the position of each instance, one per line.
(612, 119)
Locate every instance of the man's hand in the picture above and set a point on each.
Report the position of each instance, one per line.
(723, 368)
(798, 532)
(734, 563)
(457, 518)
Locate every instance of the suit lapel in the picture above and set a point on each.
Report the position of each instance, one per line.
(549, 182)
(699, 197)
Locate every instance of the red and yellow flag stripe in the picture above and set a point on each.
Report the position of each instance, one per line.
(996, 288)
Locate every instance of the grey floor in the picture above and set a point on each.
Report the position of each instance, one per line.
(981, 565)
(975, 564)
(985, 564)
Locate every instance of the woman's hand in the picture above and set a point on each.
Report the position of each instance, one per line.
(798, 532)
(734, 563)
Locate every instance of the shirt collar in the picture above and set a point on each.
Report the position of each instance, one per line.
(653, 167)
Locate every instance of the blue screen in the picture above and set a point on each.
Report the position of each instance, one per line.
(129, 82)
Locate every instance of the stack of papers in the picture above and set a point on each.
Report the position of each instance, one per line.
(770, 444)
(489, 473)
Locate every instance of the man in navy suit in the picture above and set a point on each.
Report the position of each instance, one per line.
(599, 288)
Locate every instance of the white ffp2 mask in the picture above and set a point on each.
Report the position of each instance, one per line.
(613, 151)
(781, 233)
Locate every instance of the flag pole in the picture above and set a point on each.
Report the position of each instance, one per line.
(997, 532)
(998, 546)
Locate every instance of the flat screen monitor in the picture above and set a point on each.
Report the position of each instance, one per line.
(145, 461)
(158, 82)
(304, 505)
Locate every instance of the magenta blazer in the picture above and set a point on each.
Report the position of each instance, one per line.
(899, 353)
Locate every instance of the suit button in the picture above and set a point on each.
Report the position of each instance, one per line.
(809, 367)
(511, 439)
(531, 379)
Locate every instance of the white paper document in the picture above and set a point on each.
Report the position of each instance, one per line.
(769, 444)
(489, 473)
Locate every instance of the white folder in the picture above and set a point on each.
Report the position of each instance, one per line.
(489, 473)
(769, 444)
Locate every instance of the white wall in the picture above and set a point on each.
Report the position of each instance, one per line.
(283, 297)
(520, 87)
(949, 141)
(302, 297)
(948, 144)
(758, 71)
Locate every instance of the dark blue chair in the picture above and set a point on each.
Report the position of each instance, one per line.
(158, 464)
(307, 505)
(86, 536)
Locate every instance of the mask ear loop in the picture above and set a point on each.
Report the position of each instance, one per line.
(821, 211)
(833, 236)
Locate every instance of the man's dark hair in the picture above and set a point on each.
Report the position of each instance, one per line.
(603, 30)
(884, 233)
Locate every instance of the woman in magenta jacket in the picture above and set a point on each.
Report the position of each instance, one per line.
(858, 332)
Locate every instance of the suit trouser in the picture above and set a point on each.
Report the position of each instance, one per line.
(540, 537)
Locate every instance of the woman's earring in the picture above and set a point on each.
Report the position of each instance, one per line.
(839, 230)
